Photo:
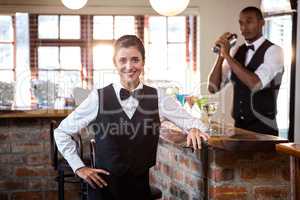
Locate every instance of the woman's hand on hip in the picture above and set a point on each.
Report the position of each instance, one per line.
(92, 176)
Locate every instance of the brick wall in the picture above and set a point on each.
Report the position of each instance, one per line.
(232, 176)
(25, 170)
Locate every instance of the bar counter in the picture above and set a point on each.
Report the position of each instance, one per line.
(237, 165)
(34, 113)
(292, 150)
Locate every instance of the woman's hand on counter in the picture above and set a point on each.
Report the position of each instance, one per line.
(92, 176)
(194, 137)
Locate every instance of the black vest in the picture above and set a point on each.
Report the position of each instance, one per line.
(125, 145)
(260, 105)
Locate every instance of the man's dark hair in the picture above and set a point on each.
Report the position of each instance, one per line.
(256, 10)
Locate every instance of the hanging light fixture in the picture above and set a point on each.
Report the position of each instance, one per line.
(74, 4)
(169, 7)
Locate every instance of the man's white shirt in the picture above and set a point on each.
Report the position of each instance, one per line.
(272, 65)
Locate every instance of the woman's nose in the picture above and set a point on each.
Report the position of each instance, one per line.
(128, 65)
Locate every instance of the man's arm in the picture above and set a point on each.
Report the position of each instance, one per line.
(250, 79)
(215, 76)
(217, 73)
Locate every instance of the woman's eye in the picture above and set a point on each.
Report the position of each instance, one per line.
(122, 60)
(135, 60)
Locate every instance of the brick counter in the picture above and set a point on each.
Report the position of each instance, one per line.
(25, 169)
(231, 175)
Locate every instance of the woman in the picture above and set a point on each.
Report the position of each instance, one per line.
(125, 119)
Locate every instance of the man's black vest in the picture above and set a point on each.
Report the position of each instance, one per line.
(249, 106)
(125, 145)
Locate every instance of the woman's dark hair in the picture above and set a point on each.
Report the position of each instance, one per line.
(127, 41)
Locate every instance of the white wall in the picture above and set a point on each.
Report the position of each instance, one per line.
(215, 18)
(297, 92)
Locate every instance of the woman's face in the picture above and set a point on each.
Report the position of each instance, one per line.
(130, 64)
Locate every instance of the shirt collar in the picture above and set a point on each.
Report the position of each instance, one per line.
(117, 86)
(257, 42)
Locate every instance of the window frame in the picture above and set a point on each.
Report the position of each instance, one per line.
(87, 43)
(13, 43)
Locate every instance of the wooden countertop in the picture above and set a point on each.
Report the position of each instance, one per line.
(38, 113)
(291, 149)
(233, 139)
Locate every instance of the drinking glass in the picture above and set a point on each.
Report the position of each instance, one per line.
(210, 108)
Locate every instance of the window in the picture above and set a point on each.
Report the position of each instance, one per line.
(59, 49)
(105, 30)
(279, 30)
(168, 49)
(73, 50)
(7, 48)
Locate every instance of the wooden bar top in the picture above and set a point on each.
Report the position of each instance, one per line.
(291, 149)
(232, 139)
(37, 113)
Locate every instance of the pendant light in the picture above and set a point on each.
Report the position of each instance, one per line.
(74, 4)
(169, 7)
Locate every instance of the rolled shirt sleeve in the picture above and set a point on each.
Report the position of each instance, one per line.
(272, 65)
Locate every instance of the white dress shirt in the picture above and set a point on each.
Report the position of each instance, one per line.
(272, 65)
(87, 111)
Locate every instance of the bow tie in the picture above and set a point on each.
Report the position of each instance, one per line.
(125, 94)
(250, 47)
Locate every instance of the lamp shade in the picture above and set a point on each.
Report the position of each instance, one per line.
(169, 7)
(74, 4)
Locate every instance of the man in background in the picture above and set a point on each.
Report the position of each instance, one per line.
(255, 69)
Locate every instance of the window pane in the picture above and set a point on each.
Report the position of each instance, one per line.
(102, 56)
(52, 76)
(48, 26)
(69, 80)
(48, 58)
(70, 27)
(176, 56)
(157, 61)
(124, 25)
(104, 77)
(70, 58)
(176, 29)
(157, 29)
(6, 29)
(278, 29)
(6, 76)
(103, 27)
(6, 56)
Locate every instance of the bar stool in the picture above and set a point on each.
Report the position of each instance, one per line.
(155, 192)
(64, 171)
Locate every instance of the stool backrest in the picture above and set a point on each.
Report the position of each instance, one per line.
(93, 152)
